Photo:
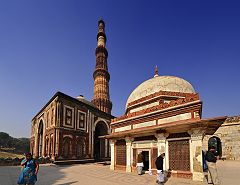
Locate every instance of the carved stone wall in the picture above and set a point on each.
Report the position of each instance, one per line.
(229, 134)
(70, 133)
(161, 106)
(121, 156)
(179, 155)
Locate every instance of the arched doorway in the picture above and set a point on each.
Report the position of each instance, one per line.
(51, 147)
(67, 147)
(46, 146)
(216, 142)
(40, 138)
(100, 145)
(81, 149)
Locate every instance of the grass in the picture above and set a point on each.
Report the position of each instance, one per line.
(11, 155)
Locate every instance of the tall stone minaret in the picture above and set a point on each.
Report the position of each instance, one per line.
(101, 76)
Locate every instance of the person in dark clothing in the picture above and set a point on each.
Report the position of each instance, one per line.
(211, 163)
(159, 165)
(204, 161)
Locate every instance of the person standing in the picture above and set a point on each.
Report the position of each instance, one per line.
(159, 165)
(140, 163)
(212, 168)
(29, 172)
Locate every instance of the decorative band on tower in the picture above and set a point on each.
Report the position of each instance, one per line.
(101, 76)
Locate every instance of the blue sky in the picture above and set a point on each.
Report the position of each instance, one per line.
(48, 46)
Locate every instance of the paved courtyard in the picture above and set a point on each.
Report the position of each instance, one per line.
(92, 174)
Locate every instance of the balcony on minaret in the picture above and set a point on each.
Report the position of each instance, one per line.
(101, 41)
(101, 36)
(101, 25)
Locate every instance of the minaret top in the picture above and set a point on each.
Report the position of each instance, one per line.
(101, 36)
(101, 22)
(156, 71)
(101, 26)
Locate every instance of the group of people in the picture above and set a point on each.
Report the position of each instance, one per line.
(30, 169)
(210, 158)
(159, 166)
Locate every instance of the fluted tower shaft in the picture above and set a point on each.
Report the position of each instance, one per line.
(101, 97)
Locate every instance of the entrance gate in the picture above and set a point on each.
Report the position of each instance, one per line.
(179, 155)
(121, 153)
(100, 145)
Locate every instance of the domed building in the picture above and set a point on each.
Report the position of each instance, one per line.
(163, 115)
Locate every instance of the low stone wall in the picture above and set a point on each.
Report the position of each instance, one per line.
(10, 161)
(17, 161)
(229, 134)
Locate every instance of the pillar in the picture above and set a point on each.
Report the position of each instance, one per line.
(35, 149)
(162, 148)
(129, 141)
(112, 148)
(106, 148)
(196, 146)
(56, 143)
(43, 140)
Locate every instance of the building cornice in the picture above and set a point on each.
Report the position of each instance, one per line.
(210, 125)
(233, 119)
(60, 94)
(161, 93)
(150, 111)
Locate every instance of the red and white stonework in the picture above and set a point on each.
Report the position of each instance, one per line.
(163, 115)
(67, 128)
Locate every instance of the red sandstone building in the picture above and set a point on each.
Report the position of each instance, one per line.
(163, 114)
(68, 128)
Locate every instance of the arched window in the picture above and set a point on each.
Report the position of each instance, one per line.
(46, 146)
(81, 148)
(216, 142)
(51, 146)
(67, 147)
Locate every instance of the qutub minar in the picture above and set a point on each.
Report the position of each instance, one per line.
(101, 76)
(68, 128)
(163, 114)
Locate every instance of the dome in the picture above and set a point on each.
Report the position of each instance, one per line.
(160, 83)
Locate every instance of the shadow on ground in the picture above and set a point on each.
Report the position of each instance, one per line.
(48, 175)
(54, 174)
(89, 174)
(69, 183)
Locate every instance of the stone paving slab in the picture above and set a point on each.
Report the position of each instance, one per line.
(92, 174)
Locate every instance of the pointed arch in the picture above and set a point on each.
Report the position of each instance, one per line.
(67, 147)
(216, 142)
(40, 138)
(81, 148)
(101, 146)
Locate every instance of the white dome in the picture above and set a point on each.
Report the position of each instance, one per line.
(160, 83)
